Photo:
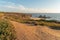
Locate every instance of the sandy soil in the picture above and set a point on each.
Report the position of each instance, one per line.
(25, 32)
(28, 32)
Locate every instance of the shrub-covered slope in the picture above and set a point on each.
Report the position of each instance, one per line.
(7, 32)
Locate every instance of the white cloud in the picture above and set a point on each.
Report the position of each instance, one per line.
(9, 6)
(12, 7)
(21, 7)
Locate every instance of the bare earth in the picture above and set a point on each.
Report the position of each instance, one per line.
(25, 32)
(28, 32)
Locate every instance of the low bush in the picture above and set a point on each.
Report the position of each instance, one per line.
(7, 32)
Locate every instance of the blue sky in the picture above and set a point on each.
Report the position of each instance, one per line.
(30, 6)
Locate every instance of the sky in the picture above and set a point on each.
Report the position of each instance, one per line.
(30, 6)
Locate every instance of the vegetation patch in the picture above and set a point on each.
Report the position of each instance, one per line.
(55, 27)
(21, 19)
(7, 32)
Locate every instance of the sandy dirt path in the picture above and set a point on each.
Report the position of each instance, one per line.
(25, 32)
(28, 32)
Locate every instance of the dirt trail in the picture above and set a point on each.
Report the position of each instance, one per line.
(28, 32)
(25, 32)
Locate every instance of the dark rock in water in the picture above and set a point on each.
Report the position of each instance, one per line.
(44, 16)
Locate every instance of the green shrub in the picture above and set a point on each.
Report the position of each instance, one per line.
(7, 32)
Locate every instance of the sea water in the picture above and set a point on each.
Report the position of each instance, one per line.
(54, 16)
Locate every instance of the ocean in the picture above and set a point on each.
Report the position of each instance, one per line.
(54, 16)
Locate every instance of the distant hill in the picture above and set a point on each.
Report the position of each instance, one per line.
(13, 15)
